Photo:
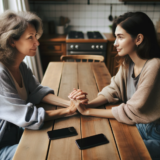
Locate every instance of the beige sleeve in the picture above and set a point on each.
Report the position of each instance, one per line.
(144, 106)
(113, 92)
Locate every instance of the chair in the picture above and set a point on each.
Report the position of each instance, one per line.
(82, 57)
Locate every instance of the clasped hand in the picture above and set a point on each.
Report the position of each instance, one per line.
(78, 102)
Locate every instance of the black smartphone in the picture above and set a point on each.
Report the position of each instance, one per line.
(92, 141)
(62, 133)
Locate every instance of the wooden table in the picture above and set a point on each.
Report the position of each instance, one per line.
(125, 141)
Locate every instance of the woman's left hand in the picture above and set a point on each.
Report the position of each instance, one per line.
(78, 94)
(81, 108)
(71, 110)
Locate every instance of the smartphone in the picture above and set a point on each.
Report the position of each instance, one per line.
(92, 141)
(62, 133)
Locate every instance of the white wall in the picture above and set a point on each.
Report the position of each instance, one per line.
(11, 4)
(94, 16)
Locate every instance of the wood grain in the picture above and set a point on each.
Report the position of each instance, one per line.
(91, 125)
(129, 142)
(101, 74)
(52, 76)
(66, 148)
(34, 143)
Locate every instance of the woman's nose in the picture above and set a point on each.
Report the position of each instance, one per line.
(36, 42)
(115, 43)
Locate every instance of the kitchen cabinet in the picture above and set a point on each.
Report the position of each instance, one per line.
(111, 61)
(51, 49)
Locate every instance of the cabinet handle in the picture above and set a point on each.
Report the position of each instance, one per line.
(50, 47)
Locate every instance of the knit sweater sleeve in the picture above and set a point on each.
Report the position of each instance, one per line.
(36, 91)
(113, 92)
(144, 105)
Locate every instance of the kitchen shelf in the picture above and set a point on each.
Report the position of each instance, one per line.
(69, 3)
(116, 4)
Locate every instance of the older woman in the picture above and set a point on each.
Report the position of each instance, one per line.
(19, 89)
(137, 84)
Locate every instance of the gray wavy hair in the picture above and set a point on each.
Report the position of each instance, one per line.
(13, 25)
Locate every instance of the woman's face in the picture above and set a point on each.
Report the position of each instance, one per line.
(124, 43)
(27, 44)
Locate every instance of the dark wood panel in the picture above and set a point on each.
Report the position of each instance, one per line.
(51, 47)
(111, 61)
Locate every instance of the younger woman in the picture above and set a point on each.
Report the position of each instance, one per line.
(137, 83)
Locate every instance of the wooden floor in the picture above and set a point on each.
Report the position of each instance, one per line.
(125, 141)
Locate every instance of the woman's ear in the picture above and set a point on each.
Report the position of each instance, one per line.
(11, 42)
(139, 39)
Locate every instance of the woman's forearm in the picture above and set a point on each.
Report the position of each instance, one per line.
(98, 101)
(63, 112)
(54, 114)
(53, 99)
(103, 113)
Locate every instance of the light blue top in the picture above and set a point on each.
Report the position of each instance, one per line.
(15, 112)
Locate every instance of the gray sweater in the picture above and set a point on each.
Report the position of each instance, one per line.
(14, 110)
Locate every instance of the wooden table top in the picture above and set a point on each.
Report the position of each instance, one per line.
(125, 141)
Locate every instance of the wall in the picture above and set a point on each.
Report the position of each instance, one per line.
(91, 17)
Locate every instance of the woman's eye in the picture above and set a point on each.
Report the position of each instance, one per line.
(30, 37)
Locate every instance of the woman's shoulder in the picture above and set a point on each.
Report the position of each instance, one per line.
(25, 70)
(154, 62)
(151, 69)
(5, 78)
(3, 70)
(23, 65)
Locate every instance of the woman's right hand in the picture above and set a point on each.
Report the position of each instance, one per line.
(78, 94)
(81, 108)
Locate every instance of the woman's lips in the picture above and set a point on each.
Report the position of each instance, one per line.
(34, 49)
(118, 50)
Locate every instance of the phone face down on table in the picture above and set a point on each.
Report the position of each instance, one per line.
(92, 141)
(62, 133)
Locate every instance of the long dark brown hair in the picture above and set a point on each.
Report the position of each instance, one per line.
(135, 23)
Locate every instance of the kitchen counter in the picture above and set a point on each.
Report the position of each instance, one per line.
(62, 38)
(53, 38)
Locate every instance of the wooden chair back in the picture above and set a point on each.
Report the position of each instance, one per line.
(82, 57)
